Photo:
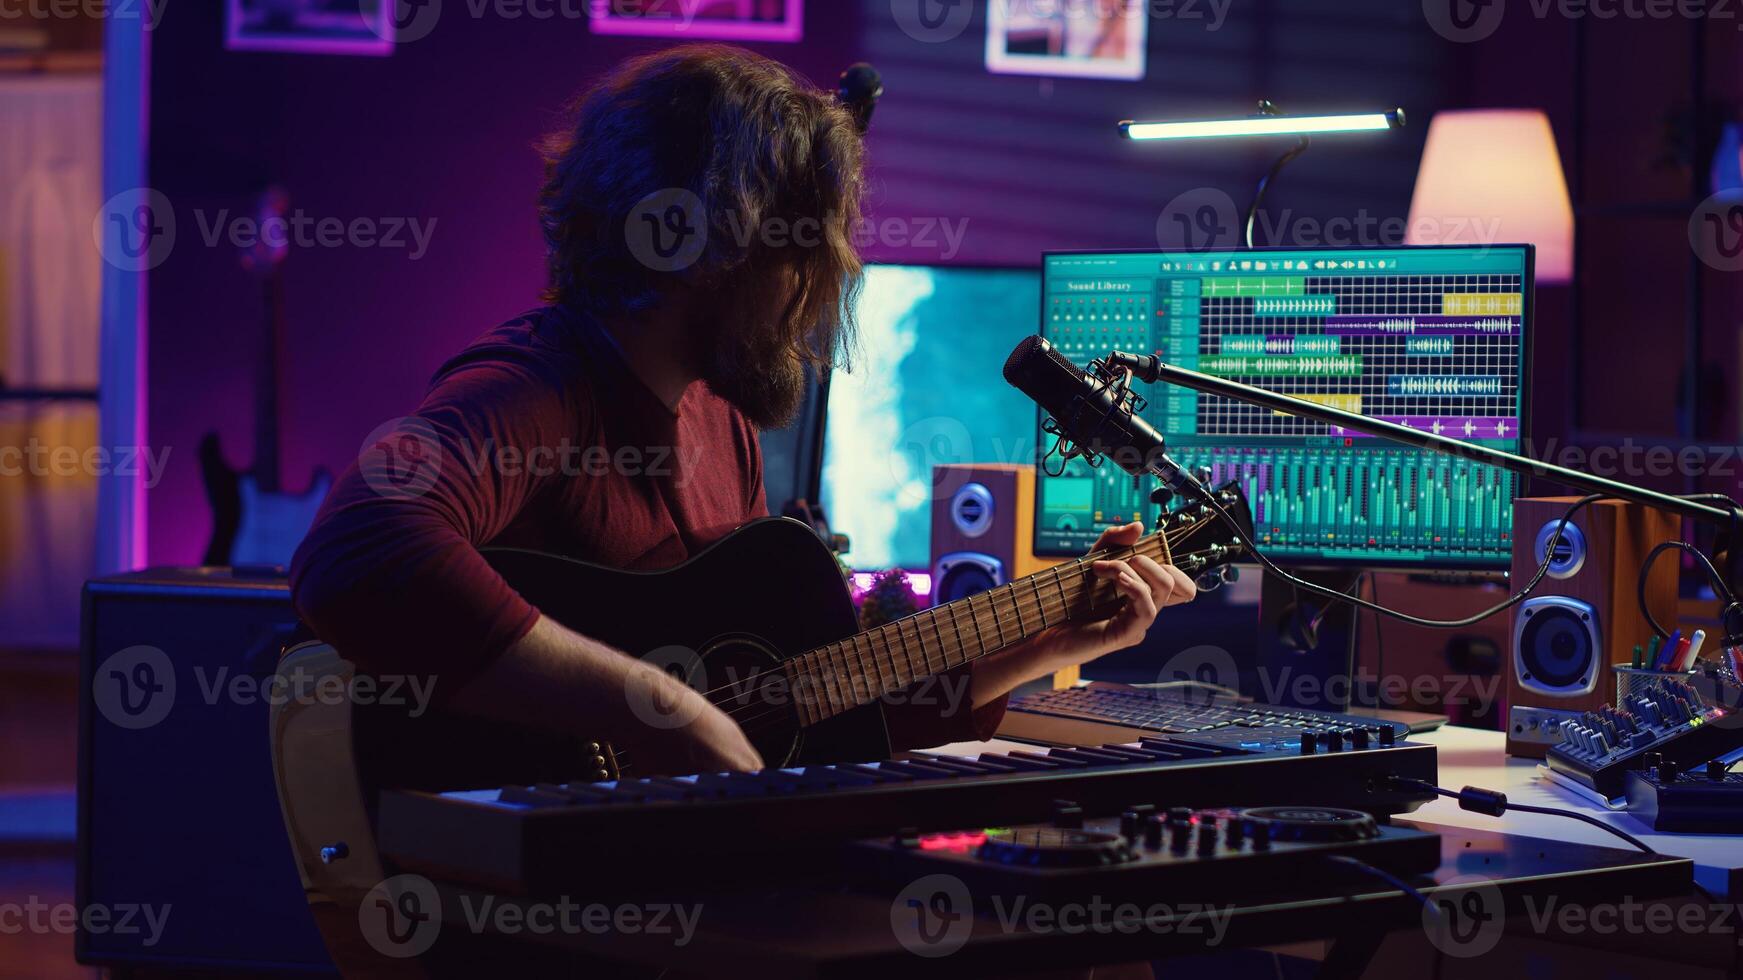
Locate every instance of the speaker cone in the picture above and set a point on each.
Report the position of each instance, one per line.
(962, 575)
(1556, 649)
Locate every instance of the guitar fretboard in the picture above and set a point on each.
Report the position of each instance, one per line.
(862, 668)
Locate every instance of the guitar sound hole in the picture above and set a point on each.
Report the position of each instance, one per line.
(742, 676)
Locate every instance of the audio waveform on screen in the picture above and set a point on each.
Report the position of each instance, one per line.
(1316, 305)
(1462, 385)
(1347, 366)
(1480, 304)
(1391, 325)
(1284, 344)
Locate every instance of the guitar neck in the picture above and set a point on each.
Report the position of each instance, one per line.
(862, 668)
(266, 422)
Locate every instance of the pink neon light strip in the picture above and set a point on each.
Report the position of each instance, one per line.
(920, 582)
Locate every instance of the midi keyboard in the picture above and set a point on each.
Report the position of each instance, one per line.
(544, 838)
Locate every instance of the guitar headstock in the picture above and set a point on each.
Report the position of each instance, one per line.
(1202, 539)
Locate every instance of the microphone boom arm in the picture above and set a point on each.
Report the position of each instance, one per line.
(1153, 369)
(1728, 519)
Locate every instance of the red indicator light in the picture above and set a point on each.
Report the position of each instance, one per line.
(951, 842)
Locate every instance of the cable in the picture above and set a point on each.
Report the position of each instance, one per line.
(1350, 654)
(1177, 685)
(1586, 817)
(1350, 646)
(1720, 587)
(1209, 498)
(1493, 803)
(1511, 601)
(1385, 876)
(1379, 636)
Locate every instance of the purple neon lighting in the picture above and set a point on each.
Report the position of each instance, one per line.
(680, 18)
(920, 582)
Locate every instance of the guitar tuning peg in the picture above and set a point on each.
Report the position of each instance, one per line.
(1162, 496)
(1209, 582)
(1230, 575)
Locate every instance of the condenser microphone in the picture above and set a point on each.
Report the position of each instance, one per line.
(1093, 414)
(861, 87)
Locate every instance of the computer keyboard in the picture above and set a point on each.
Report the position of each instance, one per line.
(1181, 711)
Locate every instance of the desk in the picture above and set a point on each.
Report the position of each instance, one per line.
(822, 926)
(809, 915)
(1472, 757)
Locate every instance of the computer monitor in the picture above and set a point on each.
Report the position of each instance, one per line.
(1432, 337)
(925, 389)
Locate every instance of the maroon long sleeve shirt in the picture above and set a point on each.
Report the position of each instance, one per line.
(536, 436)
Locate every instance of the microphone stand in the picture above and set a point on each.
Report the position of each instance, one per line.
(1727, 518)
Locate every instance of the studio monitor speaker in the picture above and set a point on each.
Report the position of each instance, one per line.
(983, 529)
(1585, 615)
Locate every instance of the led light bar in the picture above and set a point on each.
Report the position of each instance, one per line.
(1263, 126)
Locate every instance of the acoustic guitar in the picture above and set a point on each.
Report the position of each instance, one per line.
(765, 627)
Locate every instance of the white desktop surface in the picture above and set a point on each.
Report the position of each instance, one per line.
(1474, 757)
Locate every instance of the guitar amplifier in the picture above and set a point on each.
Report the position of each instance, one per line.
(178, 812)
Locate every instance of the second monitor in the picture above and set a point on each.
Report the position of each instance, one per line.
(1435, 338)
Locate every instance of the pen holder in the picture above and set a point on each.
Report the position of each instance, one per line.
(1630, 679)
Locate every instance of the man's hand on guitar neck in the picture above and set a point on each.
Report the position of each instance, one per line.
(557, 679)
(1148, 586)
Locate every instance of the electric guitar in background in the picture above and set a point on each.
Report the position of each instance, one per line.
(254, 522)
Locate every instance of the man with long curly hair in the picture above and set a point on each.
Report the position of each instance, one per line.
(676, 328)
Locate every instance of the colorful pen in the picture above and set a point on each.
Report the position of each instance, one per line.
(1689, 658)
(1668, 650)
(1674, 661)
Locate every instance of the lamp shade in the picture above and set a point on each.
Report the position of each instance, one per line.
(1493, 176)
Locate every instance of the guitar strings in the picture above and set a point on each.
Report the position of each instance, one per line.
(1140, 548)
(781, 713)
(1043, 608)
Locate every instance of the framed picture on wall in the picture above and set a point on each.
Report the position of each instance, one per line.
(1067, 38)
(312, 26)
(721, 20)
